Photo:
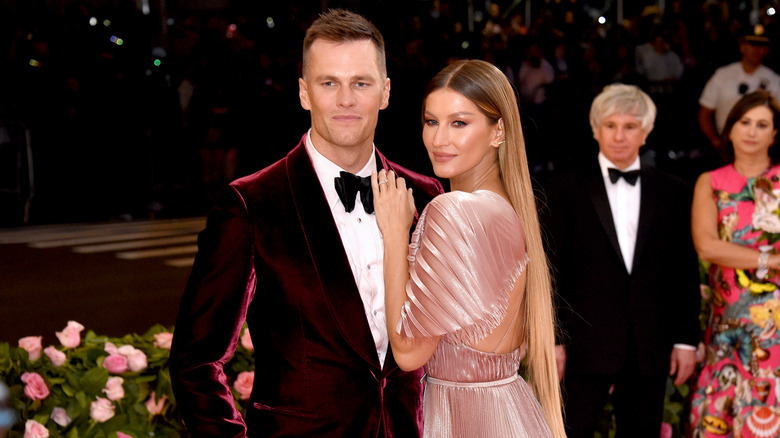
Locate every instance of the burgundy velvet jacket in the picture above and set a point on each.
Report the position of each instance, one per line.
(271, 255)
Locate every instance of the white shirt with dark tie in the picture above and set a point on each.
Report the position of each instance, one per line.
(624, 201)
(362, 242)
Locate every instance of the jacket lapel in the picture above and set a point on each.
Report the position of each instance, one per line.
(649, 199)
(598, 196)
(327, 252)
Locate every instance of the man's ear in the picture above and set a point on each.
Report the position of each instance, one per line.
(644, 139)
(385, 95)
(303, 94)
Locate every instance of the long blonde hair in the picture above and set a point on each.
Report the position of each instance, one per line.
(486, 86)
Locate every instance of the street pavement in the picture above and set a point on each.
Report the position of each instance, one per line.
(114, 278)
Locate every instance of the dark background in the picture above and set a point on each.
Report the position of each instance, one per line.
(143, 108)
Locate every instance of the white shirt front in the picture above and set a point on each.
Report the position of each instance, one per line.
(624, 200)
(362, 242)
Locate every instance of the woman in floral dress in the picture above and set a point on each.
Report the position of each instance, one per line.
(736, 228)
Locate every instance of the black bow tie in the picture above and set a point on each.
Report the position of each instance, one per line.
(631, 176)
(348, 185)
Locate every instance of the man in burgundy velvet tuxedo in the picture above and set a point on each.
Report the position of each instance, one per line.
(282, 251)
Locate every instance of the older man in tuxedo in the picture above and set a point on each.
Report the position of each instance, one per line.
(295, 251)
(626, 274)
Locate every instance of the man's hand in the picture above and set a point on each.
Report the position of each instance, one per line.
(683, 363)
(560, 360)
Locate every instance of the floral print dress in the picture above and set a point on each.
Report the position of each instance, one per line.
(739, 386)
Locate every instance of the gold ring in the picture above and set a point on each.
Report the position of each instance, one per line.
(384, 181)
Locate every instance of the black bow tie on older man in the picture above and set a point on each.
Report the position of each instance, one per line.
(615, 174)
(348, 185)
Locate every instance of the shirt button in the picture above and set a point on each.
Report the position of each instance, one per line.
(360, 220)
(368, 267)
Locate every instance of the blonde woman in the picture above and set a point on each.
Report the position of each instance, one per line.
(474, 297)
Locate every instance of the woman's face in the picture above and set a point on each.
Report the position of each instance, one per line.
(460, 139)
(620, 136)
(754, 133)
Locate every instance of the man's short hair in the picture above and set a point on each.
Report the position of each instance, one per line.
(341, 26)
(623, 99)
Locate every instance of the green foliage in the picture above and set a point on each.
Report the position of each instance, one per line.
(81, 379)
(677, 407)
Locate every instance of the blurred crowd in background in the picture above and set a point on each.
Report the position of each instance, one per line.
(145, 108)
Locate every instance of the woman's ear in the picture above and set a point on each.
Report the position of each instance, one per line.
(500, 137)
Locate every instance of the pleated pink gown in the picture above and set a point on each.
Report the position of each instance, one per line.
(466, 255)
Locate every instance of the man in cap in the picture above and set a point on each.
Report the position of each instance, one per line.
(730, 82)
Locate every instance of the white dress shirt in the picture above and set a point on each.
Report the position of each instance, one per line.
(624, 200)
(362, 242)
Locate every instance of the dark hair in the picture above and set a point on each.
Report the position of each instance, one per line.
(339, 25)
(743, 105)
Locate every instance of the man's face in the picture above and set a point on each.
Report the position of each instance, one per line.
(753, 53)
(620, 136)
(344, 90)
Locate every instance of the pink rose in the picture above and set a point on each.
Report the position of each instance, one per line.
(70, 337)
(705, 291)
(114, 389)
(32, 345)
(123, 435)
(136, 359)
(110, 348)
(666, 430)
(246, 340)
(60, 416)
(163, 340)
(244, 383)
(101, 410)
(155, 408)
(115, 364)
(35, 387)
(56, 357)
(34, 429)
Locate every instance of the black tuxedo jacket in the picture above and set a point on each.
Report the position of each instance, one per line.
(605, 311)
(271, 254)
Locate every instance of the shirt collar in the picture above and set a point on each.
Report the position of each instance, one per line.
(605, 164)
(327, 170)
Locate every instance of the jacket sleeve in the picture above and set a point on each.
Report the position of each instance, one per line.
(685, 266)
(211, 315)
(553, 213)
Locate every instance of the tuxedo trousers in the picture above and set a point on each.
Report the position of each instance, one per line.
(637, 400)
